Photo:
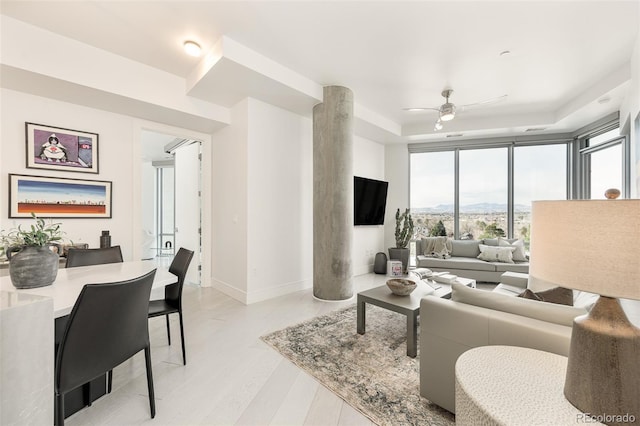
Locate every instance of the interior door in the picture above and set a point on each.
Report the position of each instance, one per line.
(187, 205)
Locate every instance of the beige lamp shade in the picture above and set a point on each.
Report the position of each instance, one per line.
(588, 245)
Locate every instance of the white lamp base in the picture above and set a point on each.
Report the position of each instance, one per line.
(603, 377)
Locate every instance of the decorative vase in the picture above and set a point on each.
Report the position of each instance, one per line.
(32, 266)
(105, 240)
(401, 254)
(380, 264)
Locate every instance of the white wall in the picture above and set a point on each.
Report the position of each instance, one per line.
(368, 162)
(280, 217)
(115, 161)
(397, 173)
(263, 198)
(631, 113)
(629, 110)
(148, 190)
(229, 199)
(261, 187)
(262, 195)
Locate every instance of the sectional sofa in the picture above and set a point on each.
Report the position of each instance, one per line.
(460, 257)
(474, 317)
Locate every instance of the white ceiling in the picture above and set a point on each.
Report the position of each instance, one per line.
(565, 55)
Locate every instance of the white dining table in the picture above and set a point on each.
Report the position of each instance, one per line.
(27, 333)
(69, 282)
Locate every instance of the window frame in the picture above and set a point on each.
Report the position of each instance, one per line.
(510, 144)
(585, 152)
(578, 160)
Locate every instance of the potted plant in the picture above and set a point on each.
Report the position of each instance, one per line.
(32, 262)
(404, 232)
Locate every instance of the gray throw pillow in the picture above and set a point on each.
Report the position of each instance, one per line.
(558, 295)
(465, 248)
(550, 312)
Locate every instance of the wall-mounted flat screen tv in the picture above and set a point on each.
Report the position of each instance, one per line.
(369, 201)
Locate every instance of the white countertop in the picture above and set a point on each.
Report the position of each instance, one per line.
(69, 282)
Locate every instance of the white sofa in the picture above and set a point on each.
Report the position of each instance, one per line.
(464, 262)
(475, 318)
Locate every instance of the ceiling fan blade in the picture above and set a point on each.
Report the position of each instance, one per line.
(486, 101)
(420, 109)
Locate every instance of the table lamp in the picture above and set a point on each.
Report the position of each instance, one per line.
(594, 246)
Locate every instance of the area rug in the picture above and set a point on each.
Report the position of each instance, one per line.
(371, 372)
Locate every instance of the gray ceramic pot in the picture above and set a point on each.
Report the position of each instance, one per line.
(32, 266)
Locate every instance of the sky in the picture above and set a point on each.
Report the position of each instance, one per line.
(539, 174)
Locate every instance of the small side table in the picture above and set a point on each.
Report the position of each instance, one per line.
(508, 385)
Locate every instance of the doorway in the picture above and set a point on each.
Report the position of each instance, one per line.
(171, 206)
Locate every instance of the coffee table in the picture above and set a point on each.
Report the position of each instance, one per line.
(406, 305)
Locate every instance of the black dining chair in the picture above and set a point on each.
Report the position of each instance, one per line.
(98, 256)
(87, 257)
(172, 302)
(107, 325)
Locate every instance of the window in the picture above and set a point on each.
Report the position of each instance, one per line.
(606, 170)
(603, 160)
(164, 211)
(484, 188)
(539, 173)
(484, 192)
(604, 137)
(432, 191)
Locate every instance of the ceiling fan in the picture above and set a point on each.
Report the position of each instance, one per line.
(447, 111)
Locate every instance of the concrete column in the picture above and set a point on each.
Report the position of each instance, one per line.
(333, 194)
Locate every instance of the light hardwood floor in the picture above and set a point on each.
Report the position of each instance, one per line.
(231, 376)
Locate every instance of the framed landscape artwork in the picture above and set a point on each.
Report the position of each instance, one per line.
(54, 148)
(58, 197)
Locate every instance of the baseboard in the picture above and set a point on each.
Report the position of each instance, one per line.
(258, 296)
(280, 290)
(362, 269)
(229, 290)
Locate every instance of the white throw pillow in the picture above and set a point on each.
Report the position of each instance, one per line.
(518, 255)
(496, 254)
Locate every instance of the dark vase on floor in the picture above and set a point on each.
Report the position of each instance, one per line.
(32, 266)
(380, 264)
(401, 254)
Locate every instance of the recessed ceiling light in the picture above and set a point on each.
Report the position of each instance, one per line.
(505, 53)
(604, 100)
(192, 48)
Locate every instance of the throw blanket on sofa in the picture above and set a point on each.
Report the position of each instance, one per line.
(439, 247)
